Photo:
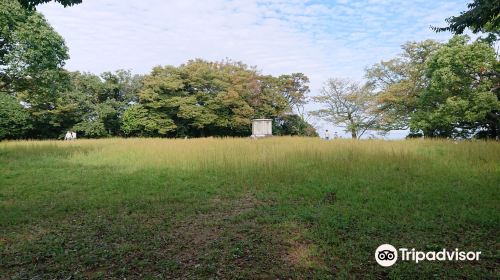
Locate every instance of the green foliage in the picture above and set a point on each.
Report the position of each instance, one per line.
(198, 98)
(32, 55)
(483, 16)
(293, 125)
(14, 118)
(400, 81)
(93, 105)
(213, 99)
(458, 97)
(31, 4)
(440, 90)
(138, 121)
(91, 129)
(294, 88)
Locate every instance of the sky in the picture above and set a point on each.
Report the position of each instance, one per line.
(320, 38)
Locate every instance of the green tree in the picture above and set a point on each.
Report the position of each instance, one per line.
(293, 125)
(294, 88)
(14, 118)
(32, 55)
(268, 98)
(93, 105)
(482, 16)
(31, 4)
(459, 101)
(400, 81)
(212, 98)
(165, 96)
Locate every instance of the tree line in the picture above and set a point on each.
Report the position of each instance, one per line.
(39, 99)
(432, 89)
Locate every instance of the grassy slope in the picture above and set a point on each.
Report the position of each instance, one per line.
(239, 208)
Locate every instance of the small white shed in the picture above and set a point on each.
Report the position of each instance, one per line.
(262, 127)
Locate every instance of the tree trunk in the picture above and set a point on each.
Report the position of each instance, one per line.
(354, 132)
(354, 135)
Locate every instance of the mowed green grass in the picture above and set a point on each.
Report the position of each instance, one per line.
(283, 207)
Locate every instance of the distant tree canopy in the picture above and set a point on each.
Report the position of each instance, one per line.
(39, 99)
(292, 124)
(459, 101)
(202, 98)
(440, 90)
(432, 89)
(401, 80)
(94, 105)
(31, 4)
(483, 16)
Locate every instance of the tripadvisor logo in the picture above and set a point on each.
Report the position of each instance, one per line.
(387, 255)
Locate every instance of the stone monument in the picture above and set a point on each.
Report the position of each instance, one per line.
(262, 128)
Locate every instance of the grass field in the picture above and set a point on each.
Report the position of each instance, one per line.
(245, 209)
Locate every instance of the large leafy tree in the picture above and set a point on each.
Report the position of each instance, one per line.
(295, 88)
(459, 101)
(32, 55)
(94, 105)
(482, 16)
(168, 101)
(440, 90)
(31, 52)
(202, 98)
(400, 81)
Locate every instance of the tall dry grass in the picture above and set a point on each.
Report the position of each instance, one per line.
(262, 154)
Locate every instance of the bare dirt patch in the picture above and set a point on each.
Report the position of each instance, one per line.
(193, 237)
(300, 252)
(228, 243)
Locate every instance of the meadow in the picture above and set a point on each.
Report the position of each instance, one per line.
(229, 208)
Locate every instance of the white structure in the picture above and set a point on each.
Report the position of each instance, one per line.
(262, 127)
(70, 135)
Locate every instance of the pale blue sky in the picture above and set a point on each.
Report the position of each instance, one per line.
(321, 38)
